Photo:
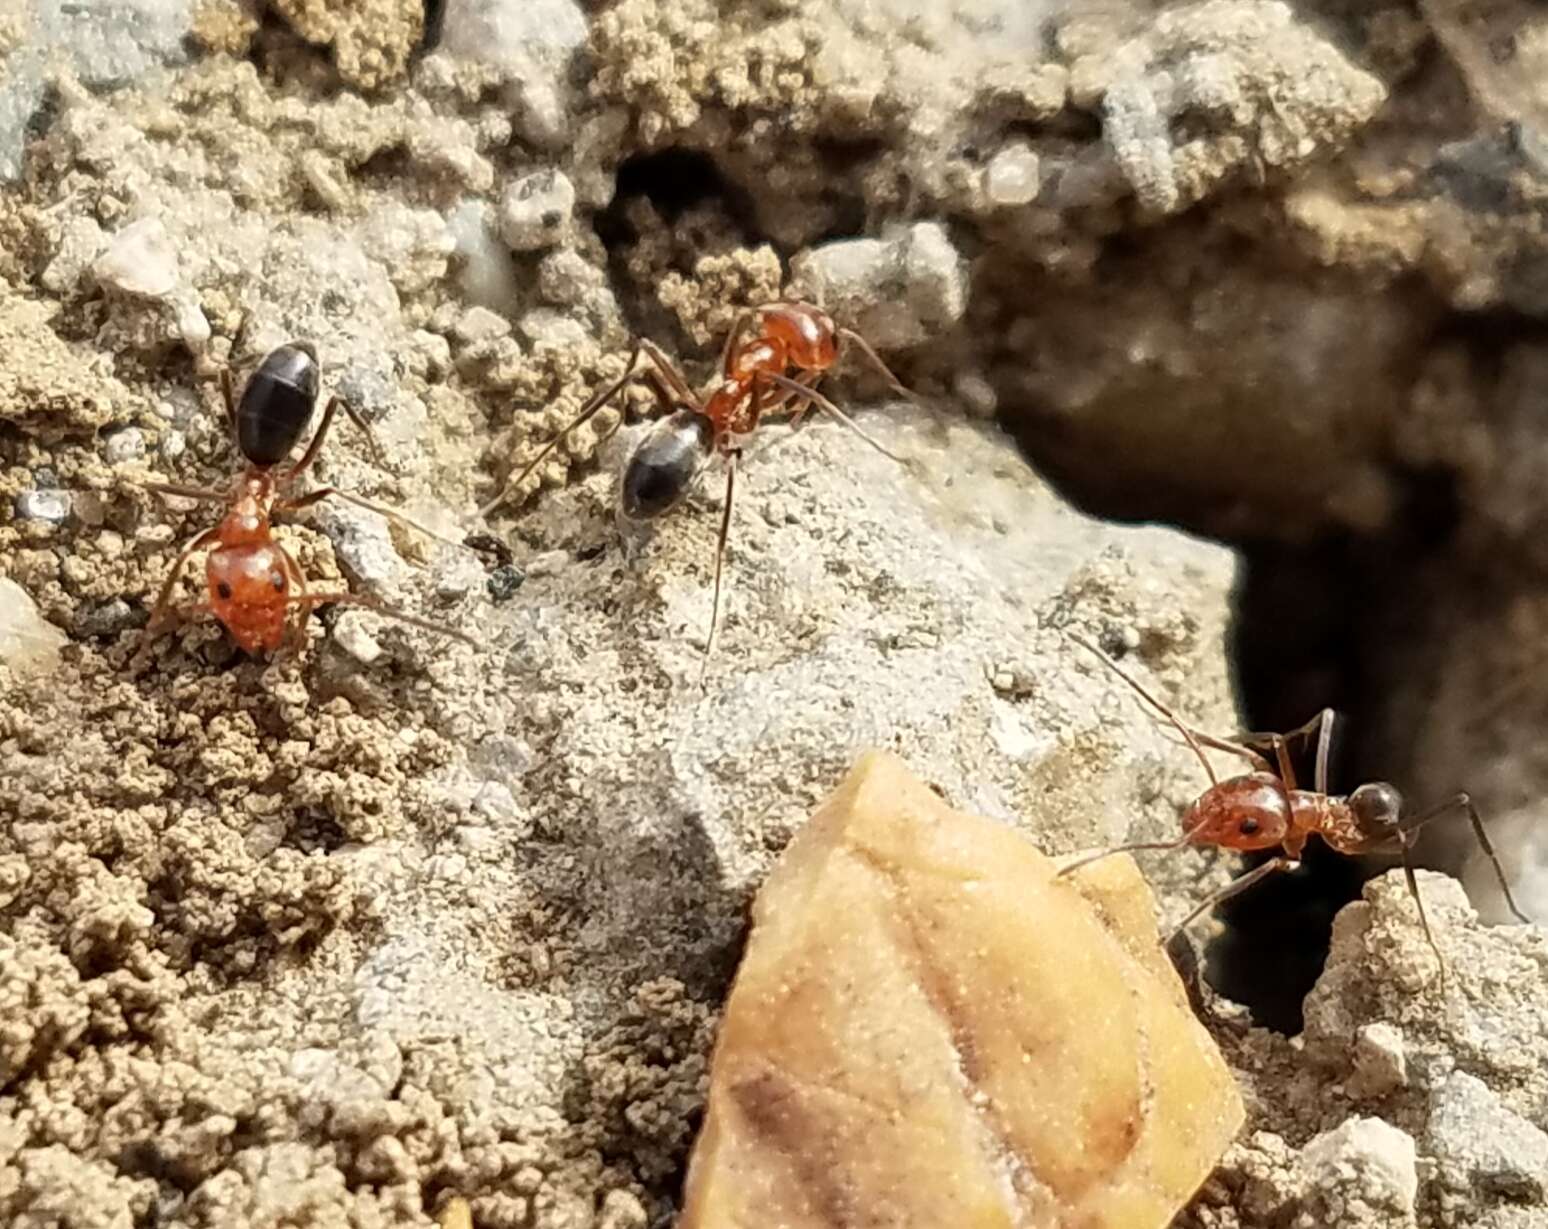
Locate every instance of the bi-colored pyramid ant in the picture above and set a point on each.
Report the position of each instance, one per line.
(755, 379)
(253, 583)
(1264, 809)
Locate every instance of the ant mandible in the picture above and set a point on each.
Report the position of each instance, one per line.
(754, 380)
(1264, 810)
(252, 582)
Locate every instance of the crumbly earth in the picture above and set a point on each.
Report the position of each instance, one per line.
(323, 940)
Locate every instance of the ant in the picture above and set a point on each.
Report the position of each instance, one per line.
(1263, 810)
(754, 380)
(252, 581)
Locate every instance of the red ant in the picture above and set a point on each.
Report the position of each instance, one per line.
(1264, 810)
(753, 381)
(252, 581)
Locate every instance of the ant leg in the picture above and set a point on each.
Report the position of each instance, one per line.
(313, 448)
(322, 493)
(1235, 888)
(381, 608)
(1191, 736)
(720, 559)
(1424, 921)
(597, 401)
(183, 492)
(158, 620)
(673, 377)
(1465, 801)
(737, 328)
(869, 351)
(816, 399)
(364, 428)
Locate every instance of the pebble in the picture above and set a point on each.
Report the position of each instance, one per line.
(532, 43)
(503, 583)
(568, 279)
(621, 1210)
(896, 292)
(536, 211)
(1012, 177)
(106, 619)
(1479, 1141)
(29, 643)
(362, 543)
(124, 445)
(479, 324)
(140, 260)
(52, 506)
(1380, 1061)
(545, 326)
(1365, 1159)
(351, 635)
(485, 275)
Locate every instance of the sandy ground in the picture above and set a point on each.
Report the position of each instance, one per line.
(322, 940)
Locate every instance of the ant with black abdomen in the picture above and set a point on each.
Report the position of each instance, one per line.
(252, 582)
(754, 380)
(1264, 809)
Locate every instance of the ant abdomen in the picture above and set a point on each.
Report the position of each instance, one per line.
(277, 404)
(665, 462)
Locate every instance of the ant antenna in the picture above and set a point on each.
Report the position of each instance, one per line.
(597, 401)
(1165, 712)
(813, 397)
(865, 347)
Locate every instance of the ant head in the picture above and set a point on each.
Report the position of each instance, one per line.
(1250, 812)
(665, 462)
(248, 588)
(277, 403)
(1377, 808)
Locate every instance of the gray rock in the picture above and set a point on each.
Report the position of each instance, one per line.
(1479, 1142)
(105, 44)
(362, 542)
(140, 260)
(536, 210)
(1362, 1165)
(531, 43)
(895, 292)
(123, 445)
(48, 504)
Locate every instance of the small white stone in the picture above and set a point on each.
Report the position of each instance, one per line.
(140, 260)
(351, 634)
(536, 210)
(479, 324)
(1363, 1157)
(1380, 1061)
(544, 326)
(896, 292)
(29, 643)
(125, 445)
(1012, 177)
(47, 505)
(191, 324)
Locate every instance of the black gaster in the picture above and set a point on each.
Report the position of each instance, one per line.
(277, 404)
(664, 463)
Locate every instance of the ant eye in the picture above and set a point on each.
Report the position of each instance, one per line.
(223, 591)
(278, 581)
(1248, 827)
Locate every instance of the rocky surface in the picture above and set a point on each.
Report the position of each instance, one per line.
(930, 1027)
(338, 935)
